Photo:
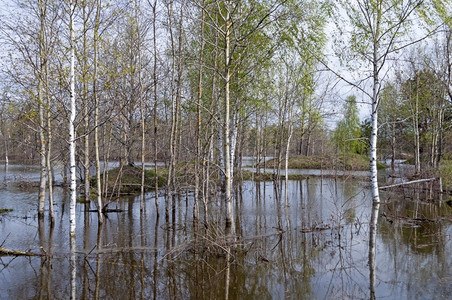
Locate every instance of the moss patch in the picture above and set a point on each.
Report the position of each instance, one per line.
(5, 210)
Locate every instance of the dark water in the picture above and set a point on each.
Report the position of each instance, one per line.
(312, 245)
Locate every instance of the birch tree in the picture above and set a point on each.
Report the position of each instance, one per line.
(198, 118)
(155, 118)
(32, 38)
(84, 95)
(424, 95)
(73, 183)
(42, 6)
(230, 229)
(176, 96)
(377, 28)
(245, 47)
(96, 111)
(390, 118)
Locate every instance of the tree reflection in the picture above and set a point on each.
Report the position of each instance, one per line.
(227, 274)
(156, 246)
(372, 246)
(86, 245)
(73, 267)
(46, 245)
(139, 255)
(98, 259)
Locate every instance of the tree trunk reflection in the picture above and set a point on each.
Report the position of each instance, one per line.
(372, 247)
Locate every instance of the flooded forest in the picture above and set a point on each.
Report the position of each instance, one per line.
(221, 149)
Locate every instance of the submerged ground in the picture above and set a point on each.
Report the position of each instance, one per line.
(312, 245)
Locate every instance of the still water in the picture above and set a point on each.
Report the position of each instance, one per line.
(312, 245)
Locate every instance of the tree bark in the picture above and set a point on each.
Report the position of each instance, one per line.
(96, 114)
(42, 69)
(230, 230)
(172, 142)
(198, 127)
(372, 248)
(49, 162)
(417, 155)
(374, 109)
(86, 164)
(289, 137)
(154, 76)
(73, 183)
(142, 105)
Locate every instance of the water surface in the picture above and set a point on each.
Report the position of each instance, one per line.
(312, 245)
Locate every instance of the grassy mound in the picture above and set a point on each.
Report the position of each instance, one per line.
(248, 175)
(446, 173)
(347, 161)
(127, 180)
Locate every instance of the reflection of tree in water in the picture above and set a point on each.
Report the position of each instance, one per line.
(415, 247)
(416, 224)
(295, 263)
(46, 245)
(273, 257)
(351, 191)
(340, 273)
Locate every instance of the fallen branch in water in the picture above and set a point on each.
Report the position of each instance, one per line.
(406, 183)
(108, 250)
(9, 252)
(315, 229)
(320, 228)
(407, 220)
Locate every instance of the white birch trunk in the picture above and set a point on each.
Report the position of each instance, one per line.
(417, 154)
(48, 162)
(73, 184)
(172, 142)
(143, 146)
(373, 154)
(373, 163)
(154, 75)
(210, 153)
(258, 145)
(198, 127)
(374, 112)
(286, 170)
(393, 147)
(96, 115)
(374, 130)
(233, 139)
(5, 141)
(87, 188)
(142, 106)
(221, 156)
(230, 230)
(86, 164)
(42, 151)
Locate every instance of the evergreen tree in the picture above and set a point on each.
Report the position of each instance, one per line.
(347, 135)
